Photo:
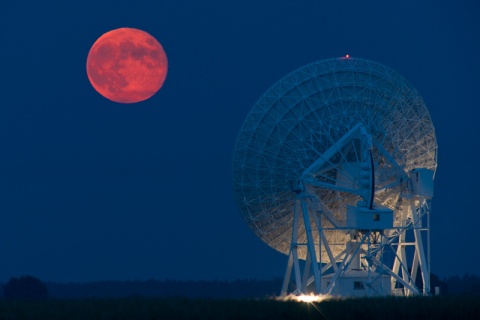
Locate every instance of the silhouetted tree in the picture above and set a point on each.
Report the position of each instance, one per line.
(468, 284)
(25, 287)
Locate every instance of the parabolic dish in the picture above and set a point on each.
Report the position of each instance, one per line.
(302, 116)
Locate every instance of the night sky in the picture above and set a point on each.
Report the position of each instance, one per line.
(95, 190)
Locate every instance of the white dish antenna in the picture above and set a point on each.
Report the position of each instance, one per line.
(334, 165)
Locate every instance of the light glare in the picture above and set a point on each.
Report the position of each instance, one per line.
(310, 298)
(306, 298)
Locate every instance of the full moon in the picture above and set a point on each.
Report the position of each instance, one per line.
(127, 65)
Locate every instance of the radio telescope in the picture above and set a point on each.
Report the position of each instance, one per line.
(334, 165)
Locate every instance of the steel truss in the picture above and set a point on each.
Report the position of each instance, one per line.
(412, 214)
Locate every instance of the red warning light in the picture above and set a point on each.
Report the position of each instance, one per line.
(347, 56)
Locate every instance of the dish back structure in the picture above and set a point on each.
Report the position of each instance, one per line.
(334, 165)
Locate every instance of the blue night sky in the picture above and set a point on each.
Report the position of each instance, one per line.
(95, 190)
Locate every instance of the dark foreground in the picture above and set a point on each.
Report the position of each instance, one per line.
(445, 307)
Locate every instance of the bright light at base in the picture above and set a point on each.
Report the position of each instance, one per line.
(304, 298)
(307, 298)
(347, 56)
(310, 298)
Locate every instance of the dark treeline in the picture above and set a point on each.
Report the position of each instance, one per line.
(466, 284)
(166, 288)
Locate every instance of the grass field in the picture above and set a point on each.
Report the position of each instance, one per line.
(444, 307)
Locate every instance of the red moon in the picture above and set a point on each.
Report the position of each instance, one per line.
(127, 65)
